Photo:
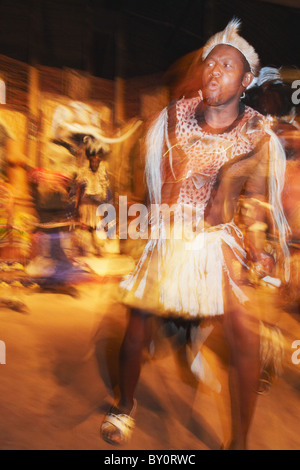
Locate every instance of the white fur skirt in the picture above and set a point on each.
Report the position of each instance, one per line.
(186, 277)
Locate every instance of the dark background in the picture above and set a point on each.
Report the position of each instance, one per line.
(132, 38)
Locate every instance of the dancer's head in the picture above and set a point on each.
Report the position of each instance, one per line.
(229, 65)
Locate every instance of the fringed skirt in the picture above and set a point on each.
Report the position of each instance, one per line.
(186, 277)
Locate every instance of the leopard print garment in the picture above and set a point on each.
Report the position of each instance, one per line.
(207, 152)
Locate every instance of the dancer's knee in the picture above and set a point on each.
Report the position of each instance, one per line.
(136, 333)
(242, 331)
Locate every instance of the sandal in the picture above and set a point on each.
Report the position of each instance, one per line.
(120, 423)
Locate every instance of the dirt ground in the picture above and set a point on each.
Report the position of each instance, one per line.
(61, 372)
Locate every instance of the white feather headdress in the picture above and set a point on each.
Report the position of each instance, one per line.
(230, 37)
(266, 74)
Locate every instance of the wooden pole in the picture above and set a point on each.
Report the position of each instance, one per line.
(120, 72)
(33, 117)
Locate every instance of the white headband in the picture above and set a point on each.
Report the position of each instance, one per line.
(230, 37)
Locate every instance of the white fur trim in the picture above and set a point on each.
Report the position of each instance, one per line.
(231, 37)
(156, 138)
(276, 184)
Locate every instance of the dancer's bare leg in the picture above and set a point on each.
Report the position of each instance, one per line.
(136, 338)
(242, 334)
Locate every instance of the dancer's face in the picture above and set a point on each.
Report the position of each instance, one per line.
(94, 162)
(225, 76)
